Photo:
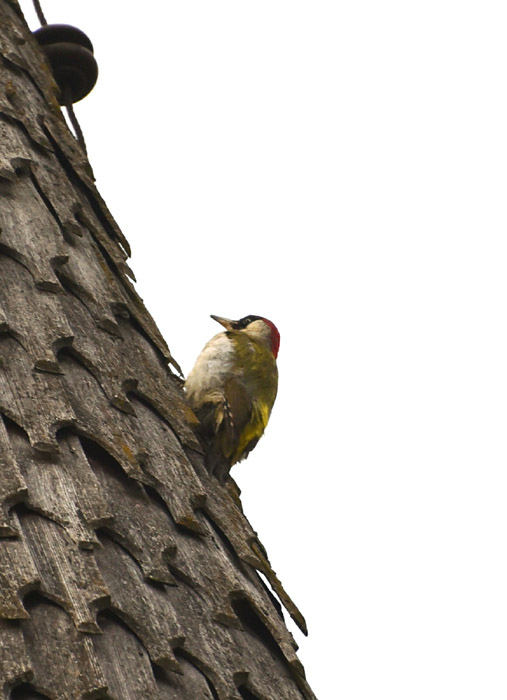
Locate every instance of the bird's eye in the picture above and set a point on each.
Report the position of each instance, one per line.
(247, 320)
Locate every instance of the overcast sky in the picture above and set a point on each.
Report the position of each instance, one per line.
(341, 168)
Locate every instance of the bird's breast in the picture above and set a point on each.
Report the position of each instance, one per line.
(212, 368)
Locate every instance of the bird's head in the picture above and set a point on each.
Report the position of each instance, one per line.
(257, 327)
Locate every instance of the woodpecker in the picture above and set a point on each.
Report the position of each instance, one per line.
(232, 388)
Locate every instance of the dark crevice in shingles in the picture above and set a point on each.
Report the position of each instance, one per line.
(100, 459)
(47, 203)
(247, 694)
(196, 457)
(69, 352)
(35, 598)
(203, 669)
(222, 537)
(83, 220)
(211, 688)
(24, 164)
(151, 489)
(160, 674)
(12, 119)
(157, 585)
(262, 581)
(132, 320)
(13, 254)
(25, 509)
(105, 532)
(68, 229)
(111, 617)
(8, 332)
(107, 620)
(23, 260)
(131, 389)
(181, 577)
(15, 67)
(251, 621)
(27, 692)
(130, 386)
(12, 426)
(6, 187)
(62, 344)
(155, 496)
(72, 288)
(115, 268)
(138, 328)
(110, 533)
(85, 435)
(136, 396)
(83, 296)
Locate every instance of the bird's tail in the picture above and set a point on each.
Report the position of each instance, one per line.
(211, 417)
(217, 464)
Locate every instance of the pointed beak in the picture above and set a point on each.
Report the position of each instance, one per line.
(225, 322)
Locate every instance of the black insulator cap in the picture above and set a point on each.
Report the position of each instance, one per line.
(70, 54)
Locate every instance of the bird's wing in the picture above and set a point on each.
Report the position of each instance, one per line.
(237, 412)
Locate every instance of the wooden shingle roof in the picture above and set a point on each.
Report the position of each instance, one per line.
(126, 572)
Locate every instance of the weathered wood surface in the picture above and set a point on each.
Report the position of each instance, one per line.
(125, 571)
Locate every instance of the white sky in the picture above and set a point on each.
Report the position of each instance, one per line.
(341, 168)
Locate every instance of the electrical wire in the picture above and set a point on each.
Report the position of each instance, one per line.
(75, 124)
(39, 12)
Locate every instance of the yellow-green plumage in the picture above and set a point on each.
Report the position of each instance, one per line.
(232, 389)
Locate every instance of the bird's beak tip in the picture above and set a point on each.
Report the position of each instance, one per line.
(225, 322)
